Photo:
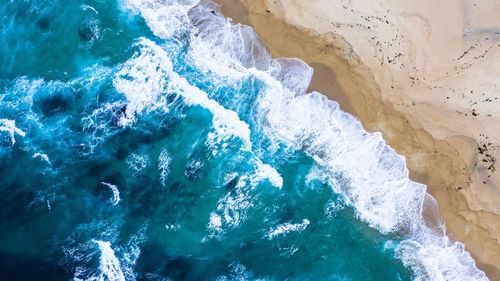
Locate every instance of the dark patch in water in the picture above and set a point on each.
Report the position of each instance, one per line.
(232, 184)
(115, 178)
(19, 210)
(43, 23)
(121, 153)
(175, 187)
(131, 139)
(152, 260)
(87, 33)
(171, 98)
(180, 268)
(53, 102)
(288, 213)
(96, 169)
(16, 267)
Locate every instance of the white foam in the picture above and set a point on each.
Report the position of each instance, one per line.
(137, 163)
(116, 193)
(229, 177)
(9, 126)
(360, 165)
(164, 161)
(374, 179)
(131, 252)
(165, 18)
(94, 26)
(371, 176)
(265, 171)
(222, 48)
(41, 156)
(143, 80)
(109, 264)
(332, 207)
(315, 174)
(215, 225)
(231, 208)
(172, 227)
(149, 75)
(378, 185)
(437, 258)
(100, 122)
(88, 7)
(285, 228)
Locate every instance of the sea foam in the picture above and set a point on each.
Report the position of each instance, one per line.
(145, 80)
(109, 265)
(373, 177)
(116, 192)
(9, 126)
(370, 175)
(286, 228)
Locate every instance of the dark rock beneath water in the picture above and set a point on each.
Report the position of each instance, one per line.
(40, 266)
(153, 259)
(43, 23)
(181, 268)
(121, 153)
(86, 34)
(232, 184)
(53, 104)
(88, 31)
(175, 187)
(97, 168)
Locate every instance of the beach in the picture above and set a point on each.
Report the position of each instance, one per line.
(249, 140)
(425, 75)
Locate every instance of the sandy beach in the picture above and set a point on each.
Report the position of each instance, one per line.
(425, 74)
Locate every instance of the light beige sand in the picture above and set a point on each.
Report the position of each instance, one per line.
(424, 73)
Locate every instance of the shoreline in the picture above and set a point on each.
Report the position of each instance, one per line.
(444, 158)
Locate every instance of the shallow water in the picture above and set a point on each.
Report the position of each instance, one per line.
(154, 140)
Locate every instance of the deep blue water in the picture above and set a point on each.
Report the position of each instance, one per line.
(155, 140)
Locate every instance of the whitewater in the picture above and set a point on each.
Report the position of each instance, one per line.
(157, 140)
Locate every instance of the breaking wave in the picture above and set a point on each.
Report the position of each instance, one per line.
(360, 165)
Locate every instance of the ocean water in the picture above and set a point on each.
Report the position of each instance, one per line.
(156, 140)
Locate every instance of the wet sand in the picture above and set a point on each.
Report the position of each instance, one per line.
(423, 75)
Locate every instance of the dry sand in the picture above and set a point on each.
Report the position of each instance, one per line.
(424, 73)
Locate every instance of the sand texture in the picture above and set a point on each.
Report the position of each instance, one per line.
(424, 73)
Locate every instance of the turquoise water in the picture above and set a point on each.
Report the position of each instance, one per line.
(155, 140)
